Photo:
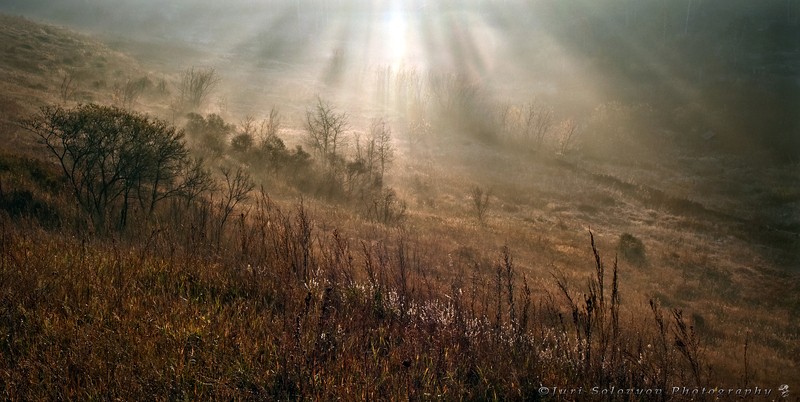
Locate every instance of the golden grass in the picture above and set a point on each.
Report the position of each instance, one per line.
(277, 308)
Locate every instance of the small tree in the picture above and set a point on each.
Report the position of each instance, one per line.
(326, 130)
(67, 88)
(128, 93)
(242, 143)
(480, 202)
(538, 122)
(244, 140)
(372, 157)
(271, 154)
(386, 207)
(196, 180)
(196, 85)
(567, 136)
(114, 159)
(238, 186)
(381, 141)
(270, 126)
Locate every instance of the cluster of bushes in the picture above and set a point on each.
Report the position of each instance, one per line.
(117, 163)
(359, 176)
(255, 145)
(340, 165)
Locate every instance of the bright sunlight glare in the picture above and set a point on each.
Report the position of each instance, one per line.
(396, 34)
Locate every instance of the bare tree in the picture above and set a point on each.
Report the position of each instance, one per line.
(248, 125)
(381, 141)
(366, 171)
(238, 186)
(566, 136)
(361, 176)
(196, 85)
(538, 122)
(68, 86)
(480, 202)
(128, 93)
(270, 126)
(385, 207)
(326, 130)
(688, 18)
(529, 123)
(195, 180)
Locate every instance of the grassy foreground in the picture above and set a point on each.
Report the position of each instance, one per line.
(277, 308)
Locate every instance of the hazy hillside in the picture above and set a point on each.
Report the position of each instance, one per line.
(439, 247)
(43, 64)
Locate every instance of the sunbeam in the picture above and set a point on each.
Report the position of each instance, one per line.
(396, 33)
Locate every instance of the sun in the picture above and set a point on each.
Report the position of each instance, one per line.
(396, 34)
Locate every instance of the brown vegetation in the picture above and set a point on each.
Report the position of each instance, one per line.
(276, 308)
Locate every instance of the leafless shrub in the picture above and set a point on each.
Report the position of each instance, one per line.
(528, 124)
(237, 186)
(453, 94)
(161, 86)
(538, 122)
(567, 138)
(418, 129)
(461, 105)
(385, 207)
(372, 158)
(126, 95)
(270, 126)
(68, 86)
(196, 180)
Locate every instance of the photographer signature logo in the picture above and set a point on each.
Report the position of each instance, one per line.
(784, 390)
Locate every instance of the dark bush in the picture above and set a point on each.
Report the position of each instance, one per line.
(115, 161)
(209, 134)
(632, 249)
(25, 204)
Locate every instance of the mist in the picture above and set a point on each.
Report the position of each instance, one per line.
(726, 69)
